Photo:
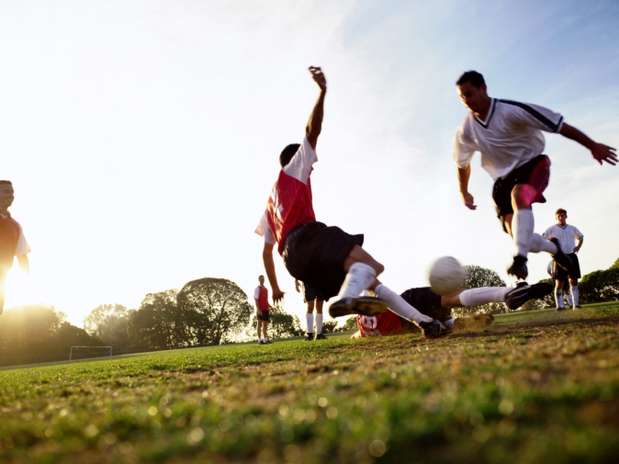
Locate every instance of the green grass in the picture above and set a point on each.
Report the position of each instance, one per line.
(536, 386)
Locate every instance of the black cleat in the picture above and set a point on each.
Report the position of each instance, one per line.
(433, 329)
(519, 267)
(364, 305)
(522, 293)
(560, 258)
(309, 337)
(320, 337)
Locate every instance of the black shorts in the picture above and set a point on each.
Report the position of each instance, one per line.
(264, 316)
(426, 302)
(315, 255)
(558, 273)
(535, 172)
(309, 294)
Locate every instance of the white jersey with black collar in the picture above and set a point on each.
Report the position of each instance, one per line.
(510, 136)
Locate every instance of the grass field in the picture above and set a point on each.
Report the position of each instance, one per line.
(533, 387)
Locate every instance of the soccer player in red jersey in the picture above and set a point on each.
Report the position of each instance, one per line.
(12, 241)
(329, 260)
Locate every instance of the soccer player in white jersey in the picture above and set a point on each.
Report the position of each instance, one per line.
(329, 260)
(509, 136)
(571, 240)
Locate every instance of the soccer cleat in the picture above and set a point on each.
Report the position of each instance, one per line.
(561, 258)
(433, 329)
(522, 293)
(320, 337)
(309, 337)
(519, 267)
(364, 305)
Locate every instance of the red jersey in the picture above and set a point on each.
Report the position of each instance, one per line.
(387, 323)
(290, 201)
(9, 237)
(261, 295)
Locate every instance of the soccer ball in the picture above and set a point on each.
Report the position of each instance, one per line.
(446, 276)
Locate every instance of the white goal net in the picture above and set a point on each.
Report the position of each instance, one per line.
(81, 352)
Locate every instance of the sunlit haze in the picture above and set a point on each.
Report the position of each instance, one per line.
(142, 137)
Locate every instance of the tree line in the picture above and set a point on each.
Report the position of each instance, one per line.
(207, 311)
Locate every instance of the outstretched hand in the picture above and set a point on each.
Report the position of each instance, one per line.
(602, 153)
(318, 77)
(278, 295)
(469, 201)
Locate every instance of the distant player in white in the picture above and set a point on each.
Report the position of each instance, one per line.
(571, 240)
(509, 136)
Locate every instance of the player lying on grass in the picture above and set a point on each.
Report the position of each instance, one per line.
(329, 260)
(439, 307)
(509, 136)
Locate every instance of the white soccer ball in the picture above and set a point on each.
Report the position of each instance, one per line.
(446, 276)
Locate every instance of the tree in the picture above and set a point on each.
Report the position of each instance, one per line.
(600, 286)
(110, 322)
(283, 325)
(615, 265)
(219, 307)
(159, 323)
(38, 333)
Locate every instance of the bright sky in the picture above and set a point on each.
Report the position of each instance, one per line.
(142, 136)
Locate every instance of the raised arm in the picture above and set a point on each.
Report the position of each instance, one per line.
(269, 267)
(463, 180)
(600, 152)
(314, 124)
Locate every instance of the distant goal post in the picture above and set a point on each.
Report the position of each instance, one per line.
(83, 352)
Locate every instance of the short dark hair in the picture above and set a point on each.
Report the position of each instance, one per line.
(472, 77)
(287, 153)
(560, 211)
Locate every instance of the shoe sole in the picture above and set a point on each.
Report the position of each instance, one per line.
(521, 295)
(364, 305)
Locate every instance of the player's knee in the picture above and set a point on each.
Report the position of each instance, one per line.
(523, 196)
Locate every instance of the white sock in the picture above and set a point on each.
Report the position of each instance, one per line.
(559, 297)
(398, 305)
(483, 295)
(360, 276)
(539, 243)
(310, 322)
(319, 323)
(522, 228)
(575, 295)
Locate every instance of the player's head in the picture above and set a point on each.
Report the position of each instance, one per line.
(561, 216)
(261, 279)
(6, 194)
(287, 153)
(472, 90)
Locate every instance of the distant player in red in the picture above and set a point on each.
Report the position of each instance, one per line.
(439, 307)
(329, 260)
(12, 241)
(261, 297)
(508, 134)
